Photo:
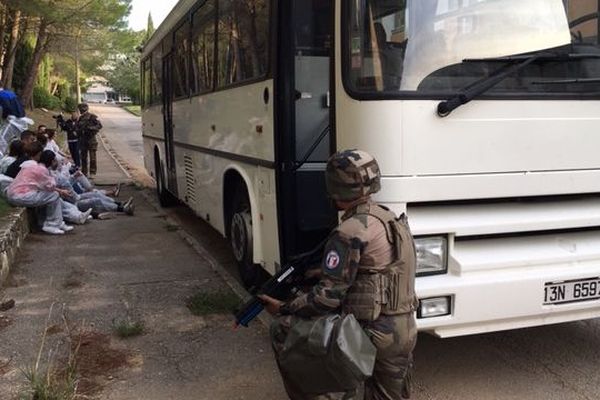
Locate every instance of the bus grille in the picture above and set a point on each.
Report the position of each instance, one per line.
(190, 180)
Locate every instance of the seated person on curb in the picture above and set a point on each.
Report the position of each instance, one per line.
(70, 211)
(30, 150)
(34, 187)
(93, 202)
(52, 145)
(28, 137)
(15, 151)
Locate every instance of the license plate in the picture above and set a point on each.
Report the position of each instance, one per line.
(571, 291)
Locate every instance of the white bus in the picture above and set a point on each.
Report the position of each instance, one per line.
(483, 114)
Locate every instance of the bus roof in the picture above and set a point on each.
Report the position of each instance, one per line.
(174, 17)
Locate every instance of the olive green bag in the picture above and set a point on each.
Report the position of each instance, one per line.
(327, 355)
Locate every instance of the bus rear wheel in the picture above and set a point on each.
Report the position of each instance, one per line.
(165, 199)
(240, 238)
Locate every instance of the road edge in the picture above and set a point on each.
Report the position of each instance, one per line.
(229, 280)
(111, 154)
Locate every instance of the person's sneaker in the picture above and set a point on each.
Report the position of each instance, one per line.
(66, 228)
(85, 216)
(128, 202)
(53, 230)
(117, 190)
(105, 215)
(129, 208)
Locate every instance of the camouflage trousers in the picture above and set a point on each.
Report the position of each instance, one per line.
(394, 337)
(85, 149)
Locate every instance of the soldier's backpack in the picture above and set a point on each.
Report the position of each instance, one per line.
(329, 354)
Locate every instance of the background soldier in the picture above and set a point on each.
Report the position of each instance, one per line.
(87, 128)
(368, 269)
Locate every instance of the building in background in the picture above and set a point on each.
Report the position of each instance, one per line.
(99, 91)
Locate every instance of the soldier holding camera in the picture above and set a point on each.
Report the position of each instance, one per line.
(70, 127)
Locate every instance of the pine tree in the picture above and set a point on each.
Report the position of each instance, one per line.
(149, 28)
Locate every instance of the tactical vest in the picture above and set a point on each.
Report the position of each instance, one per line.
(385, 289)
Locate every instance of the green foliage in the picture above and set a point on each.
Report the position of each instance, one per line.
(4, 207)
(23, 59)
(43, 99)
(205, 303)
(70, 104)
(125, 76)
(126, 329)
(50, 386)
(45, 73)
(135, 110)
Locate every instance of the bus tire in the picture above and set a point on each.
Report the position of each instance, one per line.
(165, 199)
(240, 238)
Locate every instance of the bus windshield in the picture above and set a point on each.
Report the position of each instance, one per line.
(404, 47)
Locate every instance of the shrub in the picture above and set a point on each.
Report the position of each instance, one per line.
(70, 105)
(43, 99)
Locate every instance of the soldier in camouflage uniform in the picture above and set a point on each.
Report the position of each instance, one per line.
(368, 269)
(87, 128)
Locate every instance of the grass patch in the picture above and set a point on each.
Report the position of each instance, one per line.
(219, 302)
(55, 378)
(5, 208)
(135, 110)
(171, 228)
(127, 329)
(51, 385)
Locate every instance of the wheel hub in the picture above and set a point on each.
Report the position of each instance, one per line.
(241, 234)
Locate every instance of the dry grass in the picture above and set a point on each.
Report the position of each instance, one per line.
(76, 366)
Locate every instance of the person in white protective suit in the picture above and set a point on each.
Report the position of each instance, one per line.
(15, 151)
(70, 212)
(92, 202)
(34, 187)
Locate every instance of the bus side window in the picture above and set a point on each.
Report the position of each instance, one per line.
(203, 45)
(243, 37)
(181, 61)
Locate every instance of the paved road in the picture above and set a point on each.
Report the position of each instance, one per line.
(551, 362)
(123, 131)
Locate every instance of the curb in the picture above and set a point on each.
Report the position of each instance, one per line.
(15, 227)
(111, 154)
(229, 280)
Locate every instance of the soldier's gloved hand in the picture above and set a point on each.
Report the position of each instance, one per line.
(271, 305)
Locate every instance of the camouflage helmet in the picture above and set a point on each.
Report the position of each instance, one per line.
(352, 174)
(83, 107)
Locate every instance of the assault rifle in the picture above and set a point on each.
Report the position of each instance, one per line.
(280, 286)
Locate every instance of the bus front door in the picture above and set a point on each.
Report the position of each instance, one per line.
(305, 48)
(168, 123)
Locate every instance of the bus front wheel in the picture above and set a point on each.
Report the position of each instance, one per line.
(240, 237)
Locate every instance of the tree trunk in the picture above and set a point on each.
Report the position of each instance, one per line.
(9, 59)
(41, 46)
(3, 23)
(77, 69)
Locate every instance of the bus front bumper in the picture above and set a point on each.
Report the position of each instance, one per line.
(502, 283)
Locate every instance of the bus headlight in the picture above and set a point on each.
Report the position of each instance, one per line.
(432, 255)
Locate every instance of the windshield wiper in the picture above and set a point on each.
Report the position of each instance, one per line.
(541, 56)
(468, 93)
(566, 81)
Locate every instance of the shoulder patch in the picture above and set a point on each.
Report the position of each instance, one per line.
(332, 260)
